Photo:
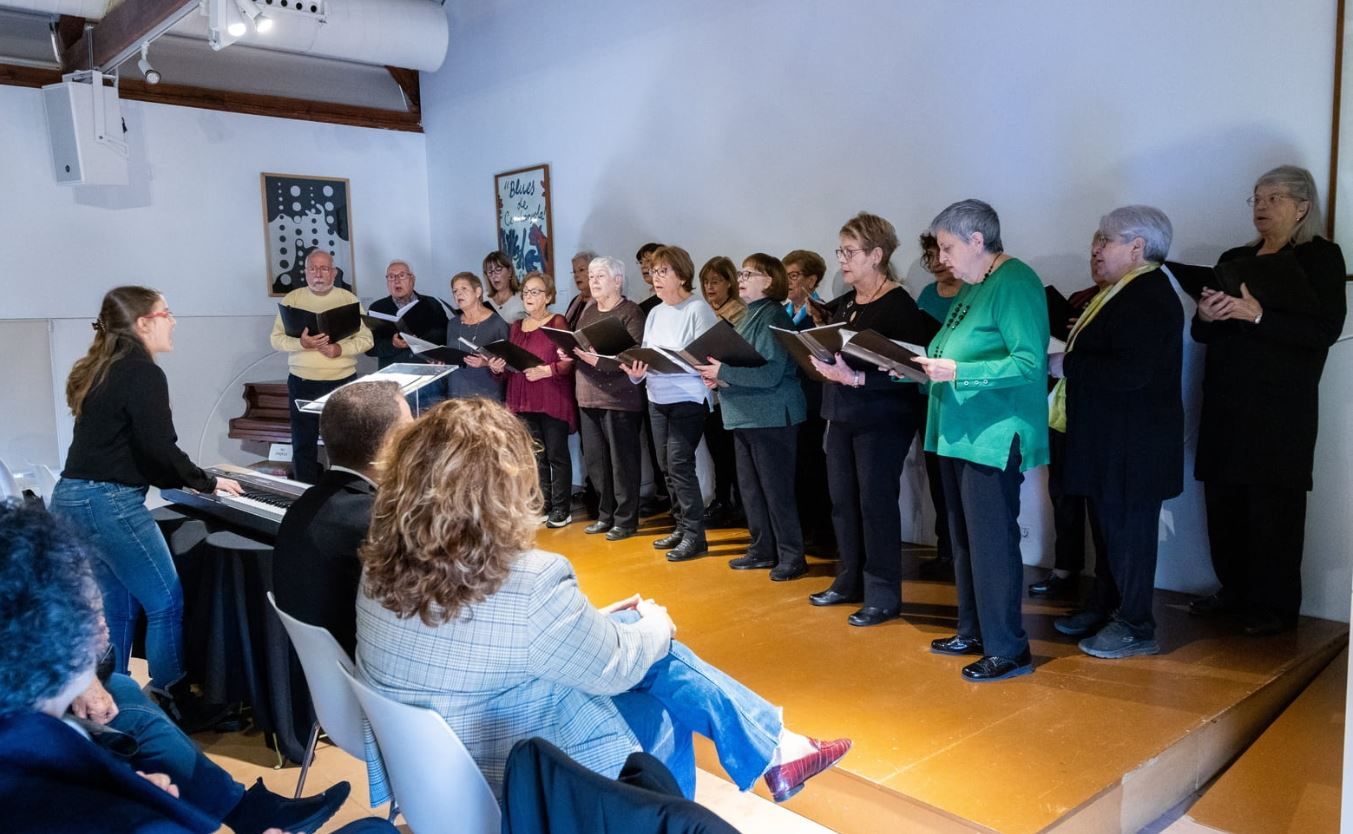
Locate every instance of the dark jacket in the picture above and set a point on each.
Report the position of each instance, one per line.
(1124, 412)
(1261, 381)
(315, 567)
(55, 781)
(427, 320)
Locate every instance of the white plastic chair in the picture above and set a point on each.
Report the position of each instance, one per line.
(438, 787)
(9, 485)
(46, 478)
(336, 708)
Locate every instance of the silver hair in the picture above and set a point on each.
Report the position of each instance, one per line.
(317, 251)
(1145, 222)
(1300, 184)
(584, 255)
(965, 217)
(613, 266)
(402, 263)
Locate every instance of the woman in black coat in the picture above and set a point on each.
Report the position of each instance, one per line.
(1118, 403)
(1256, 444)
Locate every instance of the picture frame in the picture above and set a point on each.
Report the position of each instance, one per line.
(525, 225)
(302, 213)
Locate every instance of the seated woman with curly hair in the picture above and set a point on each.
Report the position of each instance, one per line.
(460, 613)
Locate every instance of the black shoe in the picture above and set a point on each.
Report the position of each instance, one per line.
(559, 518)
(832, 597)
(260, 809)
(615, 534)
(669, 541)
(692, 547)
(784, 573)
(750, 562)
(1053, 585)
(992, 668)
(871, 616)
(596, 527)
(715, 512)
(1213, 605)
(189, 710)
(956, 645)
(1081, 623)
(1264, 624)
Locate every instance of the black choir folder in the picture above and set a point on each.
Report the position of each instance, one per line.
(517, 357)
(605, 339)
(823, 342)
(721, 342)
(1060, 313)
(338, 323)
(1276, 280)
(433, 352)
(385, 325)
(867, 345)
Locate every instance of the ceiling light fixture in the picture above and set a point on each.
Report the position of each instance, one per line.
(148, 72)
(249, 9)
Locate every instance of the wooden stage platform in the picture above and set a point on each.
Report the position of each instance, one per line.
(1081, 745)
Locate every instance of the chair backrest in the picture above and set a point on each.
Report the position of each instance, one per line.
(436, 784)
(9, 485)
(47, 479)
(335, 705)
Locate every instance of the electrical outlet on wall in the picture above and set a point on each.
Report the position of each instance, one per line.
(1023, 531)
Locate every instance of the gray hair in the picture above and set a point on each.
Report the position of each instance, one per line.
(1300, 184)
(965, 217)
(613, 266)
(1145, 222)
(584, 255)
(402, 263)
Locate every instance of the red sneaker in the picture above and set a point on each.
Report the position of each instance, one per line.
(785, 780)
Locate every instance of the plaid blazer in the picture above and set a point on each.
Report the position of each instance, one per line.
(536, 659)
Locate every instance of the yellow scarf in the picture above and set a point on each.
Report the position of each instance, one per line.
(1057, 399)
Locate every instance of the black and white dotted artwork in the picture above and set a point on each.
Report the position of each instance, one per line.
(302, 214)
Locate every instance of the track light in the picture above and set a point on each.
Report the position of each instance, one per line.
(249, 9)
(148, 72)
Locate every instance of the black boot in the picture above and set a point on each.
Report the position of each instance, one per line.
(260, 809)
(189, 710)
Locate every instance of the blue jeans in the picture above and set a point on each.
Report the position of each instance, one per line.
(165, 749)
(682, 694)
(134, 569)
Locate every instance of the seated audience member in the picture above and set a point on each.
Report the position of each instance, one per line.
(611, 408)
(762, 408)
(479, 324)
(805, 270)
(1069, 511)
(543, 397)
(317, 366)
(315, 565)
(1118, 408)
(426, 319)
(580, 263)
(718, 284)
(503, 286)
(53, 779)
(459, 612)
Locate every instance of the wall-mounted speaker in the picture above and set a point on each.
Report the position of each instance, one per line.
(84, 124)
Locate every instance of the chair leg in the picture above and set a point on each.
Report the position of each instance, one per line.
(394, 812)
(308, 757)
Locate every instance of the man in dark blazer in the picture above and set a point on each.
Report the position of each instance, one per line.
(315, 565)
(426, 319)
(1120, 407)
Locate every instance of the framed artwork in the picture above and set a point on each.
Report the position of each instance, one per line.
(302, 214)
(524, 224)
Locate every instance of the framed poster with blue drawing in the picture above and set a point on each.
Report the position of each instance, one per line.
(302, 214)
(524, 225)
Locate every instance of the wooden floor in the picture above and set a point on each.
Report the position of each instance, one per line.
(1081, 745)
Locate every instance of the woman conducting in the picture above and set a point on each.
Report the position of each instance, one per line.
(763, 408)
(871, 424)
(1118, 405)
(451, 553)
(988, 422)
(125, 443)
(1256, 441)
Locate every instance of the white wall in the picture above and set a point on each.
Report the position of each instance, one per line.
(735, 127)
(189, 223)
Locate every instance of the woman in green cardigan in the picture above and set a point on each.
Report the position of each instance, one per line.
(763, 407)
(988, 422)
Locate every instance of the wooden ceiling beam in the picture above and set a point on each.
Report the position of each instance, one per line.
(125, 26)
(69, 29)
(407, 80)
(228, 101)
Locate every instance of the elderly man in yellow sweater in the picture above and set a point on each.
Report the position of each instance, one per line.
(317, 365)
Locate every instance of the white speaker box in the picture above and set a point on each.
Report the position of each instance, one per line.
(84, 124)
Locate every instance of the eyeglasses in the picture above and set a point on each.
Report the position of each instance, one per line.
(750, 273)
(534, 291)
(159, 314)
(845, 253)
(397, 276)
(1270, 200)
(660, 271)
(313, 270)
(494, 269)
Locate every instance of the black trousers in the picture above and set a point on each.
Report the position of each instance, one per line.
(1125, 578)
(719, 441)
(553, 461)
(1258, 534)
(812, 497)
(1069, 514)
(766, 472)
(611, 453)
(676, 432)
(305, 427)
(864, 468)
(659, 475)
(983, 504)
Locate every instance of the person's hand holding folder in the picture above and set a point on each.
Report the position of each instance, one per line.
(710, 372)
(635, 372)
(309, 342)
(1215, 305)
(838, 372)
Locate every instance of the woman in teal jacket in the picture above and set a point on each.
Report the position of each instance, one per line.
(763, 407)
(988, 422)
